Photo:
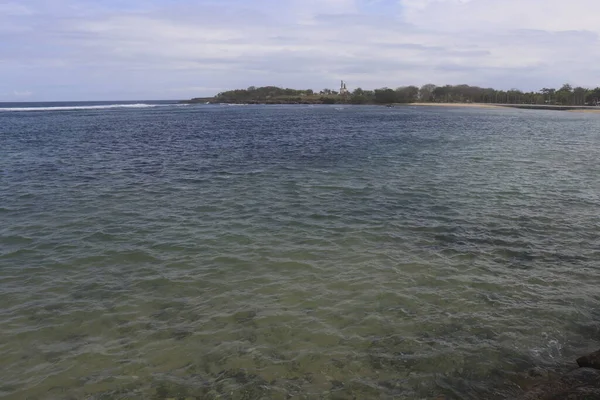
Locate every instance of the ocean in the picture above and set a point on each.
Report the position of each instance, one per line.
(151, 250)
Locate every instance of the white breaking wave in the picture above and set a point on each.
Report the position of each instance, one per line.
(100, 107)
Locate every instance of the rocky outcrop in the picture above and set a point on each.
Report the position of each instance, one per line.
(579, 384)
(590, 361)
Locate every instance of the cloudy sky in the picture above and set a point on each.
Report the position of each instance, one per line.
(176, 49)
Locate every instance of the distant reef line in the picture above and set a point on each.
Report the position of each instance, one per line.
(566, 98)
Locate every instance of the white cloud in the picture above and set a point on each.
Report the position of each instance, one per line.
(22, 93)
(491, 15)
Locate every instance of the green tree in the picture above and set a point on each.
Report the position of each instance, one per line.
(358, 97)
(385, 96)
(592, 98)
(579, 95)
(426, 92)
(564, 95)
(548, 94)
(328, 100)
(407, 94)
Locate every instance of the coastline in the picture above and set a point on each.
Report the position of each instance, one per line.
(313, 101)
(465, 96)
(577, 109)
(468, 105)
(586, 111)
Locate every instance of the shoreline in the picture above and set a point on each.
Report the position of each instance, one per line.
(586, 111)
(577, 109)
(467, 105)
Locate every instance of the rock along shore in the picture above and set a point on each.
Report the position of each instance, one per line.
(582, 383)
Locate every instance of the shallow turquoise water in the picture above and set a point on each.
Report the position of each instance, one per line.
(294, 252)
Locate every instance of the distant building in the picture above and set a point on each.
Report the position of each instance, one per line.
(343, 89)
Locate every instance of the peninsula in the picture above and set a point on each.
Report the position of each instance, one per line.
(565, 98)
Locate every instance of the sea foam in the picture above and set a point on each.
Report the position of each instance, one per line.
(96, 107)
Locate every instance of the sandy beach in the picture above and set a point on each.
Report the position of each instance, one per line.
(477, 105)
(524, 107)
(586, 111)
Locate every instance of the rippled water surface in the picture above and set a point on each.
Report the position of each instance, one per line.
(294, 252)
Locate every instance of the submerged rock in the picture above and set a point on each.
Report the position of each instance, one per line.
(579, 384)
(590, 361)
(538, 372)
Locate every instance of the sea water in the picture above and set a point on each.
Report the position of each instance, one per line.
(154, 250)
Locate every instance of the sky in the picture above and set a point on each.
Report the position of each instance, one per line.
(59, 50)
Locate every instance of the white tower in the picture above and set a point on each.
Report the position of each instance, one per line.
(343, 88)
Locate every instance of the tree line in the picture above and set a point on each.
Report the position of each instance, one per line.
(430, 93)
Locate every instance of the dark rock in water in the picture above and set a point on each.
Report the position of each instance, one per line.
(590, 361)
(579, 384)
(244, 316)
(537, 372)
